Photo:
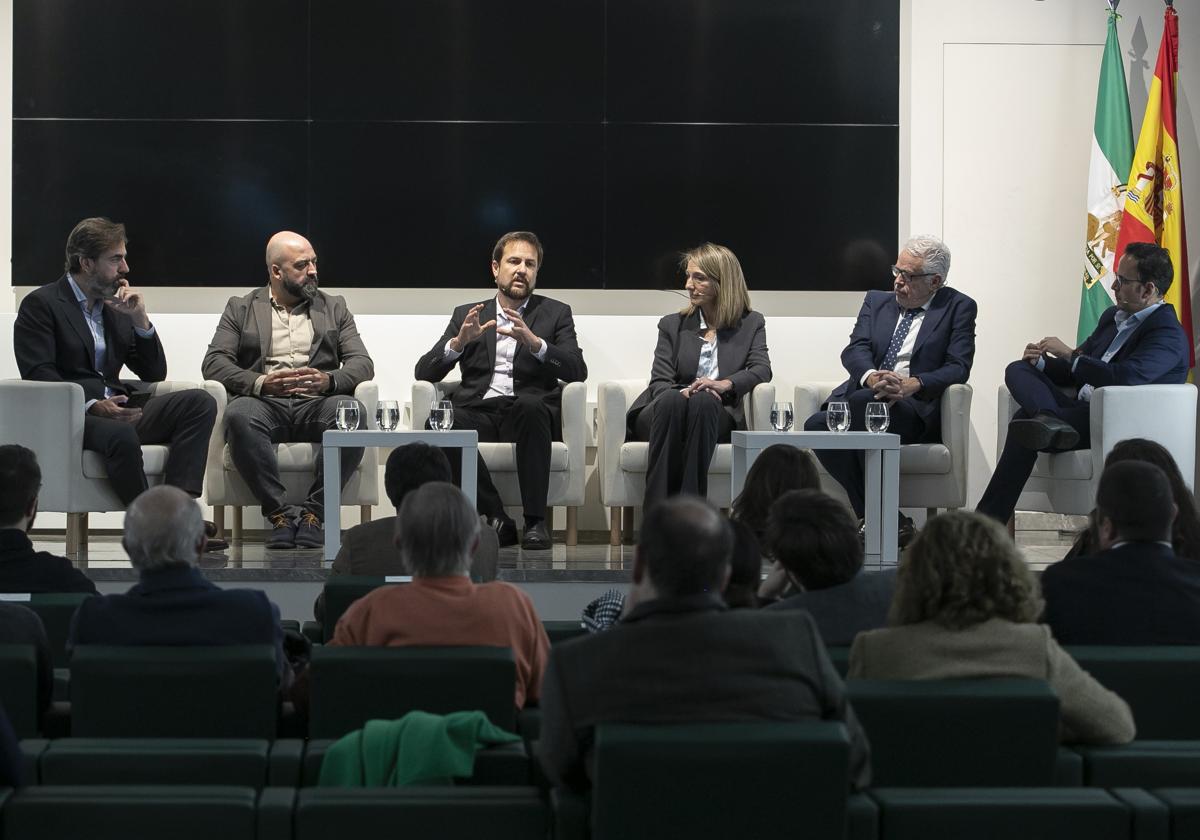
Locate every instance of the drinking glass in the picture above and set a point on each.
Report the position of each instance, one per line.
(347, 415)
(387, 415)
(441, 416)
(837, 416)
(781, 416)
(877, 416)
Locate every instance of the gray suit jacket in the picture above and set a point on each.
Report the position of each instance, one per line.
(842, 612)
(243, 340)
(742, 358)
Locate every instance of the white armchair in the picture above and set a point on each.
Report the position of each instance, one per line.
(47, 417)
(223, 485)
(1065, 482)
(567, 457)
(622, 466)
(932, 475)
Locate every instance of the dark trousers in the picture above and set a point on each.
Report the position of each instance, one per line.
(524, 420)
(847, 466)
(182, 420)
(1033, 391)
(254, 425)
(683, 433)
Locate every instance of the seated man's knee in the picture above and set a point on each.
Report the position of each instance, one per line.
(1017, 369)
(123, 440)
(530, 407)
(816, 423)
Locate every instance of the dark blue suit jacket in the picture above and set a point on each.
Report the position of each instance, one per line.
(1138, 594)
(176, 605)
(942, 356)
(1157, 352)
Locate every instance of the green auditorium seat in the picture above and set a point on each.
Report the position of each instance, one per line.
(1015, 814)
(19, 688)
(1160, 684)
(31, 755)
(756, 779)
(503, 764)
(840, 657)
(340, 592)
(56, 609)
(421, 813)
(1144, 764)
(102, 812)
(560, 631)
(351, 685)
(967, 733)
(246, 762)
(1184, 804)
(174, 692)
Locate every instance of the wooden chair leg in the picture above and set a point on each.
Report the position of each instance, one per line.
(364, 513)
(1012, 526)
(73, 520)
(627, 517)
(83, 531)
(572, 526)
(237, 523)
(614, 528)
(219, 520)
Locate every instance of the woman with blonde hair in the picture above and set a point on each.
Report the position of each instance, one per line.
(709, 356)
(966, 606)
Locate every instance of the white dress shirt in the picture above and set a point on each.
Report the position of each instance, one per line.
(506, 350)
(904, 355)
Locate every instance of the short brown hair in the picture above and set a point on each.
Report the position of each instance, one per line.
(517, 236)
(91, 238)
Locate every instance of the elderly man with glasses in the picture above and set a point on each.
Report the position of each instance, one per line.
(1139, 341)
(907, 347)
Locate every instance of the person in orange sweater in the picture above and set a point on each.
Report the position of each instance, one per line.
(437, 530)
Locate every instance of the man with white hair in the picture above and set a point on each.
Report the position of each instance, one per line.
(907, 347)
(172, 603)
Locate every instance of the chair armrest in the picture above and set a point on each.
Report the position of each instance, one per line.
(612, 404)
(574, 435)
(424, 394)
(214, 471)
(808, 399)
(367, 393)
(758, 407)
(47, 417)
(1006, 407)
(1162, 413)
(955, 407)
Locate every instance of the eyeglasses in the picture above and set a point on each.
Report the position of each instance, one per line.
(908, 276)
(1125, 281)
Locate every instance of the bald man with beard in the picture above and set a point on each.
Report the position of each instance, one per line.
(286, 354)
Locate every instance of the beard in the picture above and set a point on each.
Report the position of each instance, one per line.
(519, 293)
(305, 291)
(107, 288)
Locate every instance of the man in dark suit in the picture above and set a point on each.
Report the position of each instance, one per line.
(85, 328)
(1137, 342)
(173, 604)
(21, 568)
(1135, 590)
(287, 353)
(511, 351)
(907, 347)
(680, 655)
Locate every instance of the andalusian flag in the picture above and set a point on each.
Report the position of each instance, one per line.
(1154, 200)
(1112, 155)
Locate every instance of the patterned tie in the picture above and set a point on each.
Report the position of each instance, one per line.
(889, 360)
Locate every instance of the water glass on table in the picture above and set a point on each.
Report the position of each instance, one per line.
(441, 416)
(347, 415)
(781, 416)
(387, 415)
(837, 416)
(877, 416)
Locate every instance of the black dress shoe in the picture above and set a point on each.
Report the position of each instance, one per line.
(505, 528)
(1043, 432)
(283, 532)
(210, 533)
(905, 532)
(536, 538)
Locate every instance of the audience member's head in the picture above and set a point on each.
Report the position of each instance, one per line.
(1134, 502)
(20, 481)
(1185, 532)
(437, 529)
(778, 469)
(815, 538)
(963, 569)
(684, 549)
(412, 465)
(163, 527)
(745, 568)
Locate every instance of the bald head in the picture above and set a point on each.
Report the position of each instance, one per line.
(163, 527)
(291, 267)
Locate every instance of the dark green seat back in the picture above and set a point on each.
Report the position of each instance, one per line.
(494, 813)
(351, 685)
(560, 631)
(840, 657)
(244, 762)
(56, 609)
(958, 732)
(19, 688)
(1185, 811)
(758, 779)
(340, 592)
(180, 812)
(174, 692)
(1160, 684)
(1143, 764)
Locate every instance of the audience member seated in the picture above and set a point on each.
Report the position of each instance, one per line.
(681, 655)
(370, 548)
(1134, 590)
(437, 531)
(745, 569)
(966, 607)
(10, 754)
(1185, 532)
(815, 539)
(173, 604)
(21, 568)
(21, 626)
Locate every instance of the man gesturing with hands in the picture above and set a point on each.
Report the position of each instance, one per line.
(512, 351)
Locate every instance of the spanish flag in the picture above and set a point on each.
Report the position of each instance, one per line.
(1154, 198)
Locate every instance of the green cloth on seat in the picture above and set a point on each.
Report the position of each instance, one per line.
(419, 748)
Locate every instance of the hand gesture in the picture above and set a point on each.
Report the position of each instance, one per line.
(1055, 347)
(471, 329)
(518, 330)
(129, 301)
(1032, 353)
(280, 383)
(113, 408)
(716, 388)
(309, 382)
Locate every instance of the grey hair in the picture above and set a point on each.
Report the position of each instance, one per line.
(932, 252)
(163, 527)
(436, 528)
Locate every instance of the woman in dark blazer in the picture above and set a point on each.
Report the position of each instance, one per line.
(709, 355)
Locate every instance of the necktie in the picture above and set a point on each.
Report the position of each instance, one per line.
(889, 359)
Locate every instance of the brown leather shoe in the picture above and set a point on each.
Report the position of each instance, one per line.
(213, 544)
